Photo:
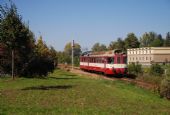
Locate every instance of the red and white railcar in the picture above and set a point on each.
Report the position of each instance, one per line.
(110, 62)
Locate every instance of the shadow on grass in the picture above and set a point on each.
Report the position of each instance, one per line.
(64, 78)
(64, 74)
(52, 87)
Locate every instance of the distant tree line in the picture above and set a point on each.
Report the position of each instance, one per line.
(148, 39)
(19, 47)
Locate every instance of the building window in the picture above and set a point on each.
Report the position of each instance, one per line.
(146, 58)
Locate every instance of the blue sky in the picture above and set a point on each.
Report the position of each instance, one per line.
(91, 21)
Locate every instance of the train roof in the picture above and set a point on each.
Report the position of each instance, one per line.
(102, 53)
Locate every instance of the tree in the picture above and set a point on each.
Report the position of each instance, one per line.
(42, 48)
(152, 35)
(158, 41)
(167, 40)
(119, 44)
(63, 58)
(42, 62)
(53, 55)
(99, 47)
(68, 49)
(96, 47)
(131, 41)
(68, 52)
(145, 40)
(112, 45)
(16, 36)
(151, 39)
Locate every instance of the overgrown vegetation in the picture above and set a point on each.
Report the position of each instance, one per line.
(135, 69)
(156, 70)
(165, 85)
(153, 71)
(66, 93)
(154, 75)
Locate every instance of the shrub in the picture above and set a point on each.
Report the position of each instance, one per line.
(165, 85)
(146, 70)
(135, 69)
(38, 66)
(167, 72)
(156, 70)
(165, 88)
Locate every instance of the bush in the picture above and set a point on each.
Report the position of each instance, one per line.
(165, 88)
(156, 70)
(135, 69)
(165, 85)
(38, 66)
(167, 70)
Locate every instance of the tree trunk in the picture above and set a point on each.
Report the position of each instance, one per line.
(12, 64)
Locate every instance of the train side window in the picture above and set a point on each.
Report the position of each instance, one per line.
(118, 59)
(99, 60)
(111, 60)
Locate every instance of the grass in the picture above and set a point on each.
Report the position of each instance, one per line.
(66, 93)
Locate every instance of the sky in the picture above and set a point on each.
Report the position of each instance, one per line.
(90, 21)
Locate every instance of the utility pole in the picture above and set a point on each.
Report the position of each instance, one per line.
(72, 54)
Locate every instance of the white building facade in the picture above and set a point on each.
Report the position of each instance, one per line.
(148, 55)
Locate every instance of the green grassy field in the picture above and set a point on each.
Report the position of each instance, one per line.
(66, 93)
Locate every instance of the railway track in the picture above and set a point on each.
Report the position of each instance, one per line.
(138, 83)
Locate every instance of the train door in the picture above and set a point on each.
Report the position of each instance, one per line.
(117, 59)
(124, 59)
(88, 61)
(104, 62)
